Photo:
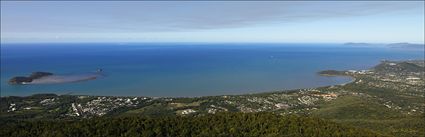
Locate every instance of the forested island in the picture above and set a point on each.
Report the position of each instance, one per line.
(26, 80)
(386, 100)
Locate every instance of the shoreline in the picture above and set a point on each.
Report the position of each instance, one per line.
(243, 94)
(353, 80)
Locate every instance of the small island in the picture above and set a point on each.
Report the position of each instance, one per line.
(25, 80)
(332, 73)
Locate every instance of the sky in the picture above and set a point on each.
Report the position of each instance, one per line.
(212, 21)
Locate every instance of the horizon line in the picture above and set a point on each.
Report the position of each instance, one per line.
(230, 42)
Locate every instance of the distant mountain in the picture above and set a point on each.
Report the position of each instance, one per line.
(391, 45)
(406, 45)
(358, 44)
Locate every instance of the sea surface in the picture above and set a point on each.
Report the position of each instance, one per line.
(186, 69)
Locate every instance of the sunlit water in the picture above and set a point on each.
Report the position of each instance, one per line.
(183, 69)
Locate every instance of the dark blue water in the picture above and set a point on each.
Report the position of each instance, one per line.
(186, 69)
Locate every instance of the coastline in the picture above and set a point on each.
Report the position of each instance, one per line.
(242, 94)
(337, 74)
(325, 73)
(196, 72)
(370, 97)
(353, 80)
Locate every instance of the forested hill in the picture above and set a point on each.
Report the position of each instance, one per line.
(398, 67)
(221, 124)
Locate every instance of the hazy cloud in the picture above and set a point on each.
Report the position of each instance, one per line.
(101, 16)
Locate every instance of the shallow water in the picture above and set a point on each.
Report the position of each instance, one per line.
(62, 79)
(185, 69)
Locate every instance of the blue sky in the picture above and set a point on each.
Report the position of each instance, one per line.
(212, 21)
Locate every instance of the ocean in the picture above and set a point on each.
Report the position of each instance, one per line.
(186, 69)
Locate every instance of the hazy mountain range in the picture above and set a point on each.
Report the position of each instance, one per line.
(390, 45)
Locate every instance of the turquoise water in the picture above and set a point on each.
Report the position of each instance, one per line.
(186, 69)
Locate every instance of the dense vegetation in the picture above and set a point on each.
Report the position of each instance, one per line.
(331, 72)
(401, 67)
(222, 124)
